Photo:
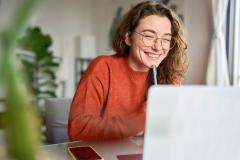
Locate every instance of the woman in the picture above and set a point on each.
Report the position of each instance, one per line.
(111, 98)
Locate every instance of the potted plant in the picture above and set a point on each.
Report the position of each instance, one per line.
(40, 63)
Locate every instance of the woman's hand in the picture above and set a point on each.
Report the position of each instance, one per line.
(140, 133)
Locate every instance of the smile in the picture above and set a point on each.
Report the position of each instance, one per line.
(153, 55)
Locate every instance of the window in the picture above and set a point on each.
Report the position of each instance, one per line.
(234, 41)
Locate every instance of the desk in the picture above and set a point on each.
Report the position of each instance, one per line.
(107, 149)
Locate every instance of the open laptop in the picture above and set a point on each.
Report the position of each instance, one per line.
(192, 123)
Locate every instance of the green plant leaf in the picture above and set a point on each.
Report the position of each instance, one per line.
(22, 138)
(47, 94)
(40, 63)
(49, 83)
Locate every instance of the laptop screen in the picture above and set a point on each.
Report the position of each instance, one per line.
(192, 122)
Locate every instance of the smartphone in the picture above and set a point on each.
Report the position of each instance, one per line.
(84, 153)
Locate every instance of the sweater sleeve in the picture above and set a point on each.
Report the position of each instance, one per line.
(85, 120)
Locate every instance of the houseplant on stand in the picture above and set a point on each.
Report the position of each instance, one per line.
(40, 64)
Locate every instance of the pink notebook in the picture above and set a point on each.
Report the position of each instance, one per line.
(130, 157)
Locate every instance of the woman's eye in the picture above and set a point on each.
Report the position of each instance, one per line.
(166, 40)
(149, 36)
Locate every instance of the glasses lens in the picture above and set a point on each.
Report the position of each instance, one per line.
(148, 40)
(168, 44)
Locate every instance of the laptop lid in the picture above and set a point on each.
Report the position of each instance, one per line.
(192, 123)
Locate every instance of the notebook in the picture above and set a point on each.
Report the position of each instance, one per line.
(192, 123)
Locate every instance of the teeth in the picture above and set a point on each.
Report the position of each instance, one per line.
(153, 55)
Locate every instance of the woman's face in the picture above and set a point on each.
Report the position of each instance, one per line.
(149, 42)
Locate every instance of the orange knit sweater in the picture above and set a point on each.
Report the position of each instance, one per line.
(109, 101)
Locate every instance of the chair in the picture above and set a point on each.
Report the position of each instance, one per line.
(57, 110)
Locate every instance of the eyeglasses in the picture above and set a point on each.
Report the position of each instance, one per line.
(149, 39)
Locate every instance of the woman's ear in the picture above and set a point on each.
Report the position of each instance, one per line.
(127, 39)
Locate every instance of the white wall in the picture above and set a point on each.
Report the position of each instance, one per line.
(7, 10)
(198, 22)
(103, 12)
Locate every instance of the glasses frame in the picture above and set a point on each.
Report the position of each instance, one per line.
(155, 40)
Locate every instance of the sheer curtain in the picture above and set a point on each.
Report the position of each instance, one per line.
(217, 71)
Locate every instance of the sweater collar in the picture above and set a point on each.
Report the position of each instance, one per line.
(135, 74)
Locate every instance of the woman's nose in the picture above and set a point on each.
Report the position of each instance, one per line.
(158, 45)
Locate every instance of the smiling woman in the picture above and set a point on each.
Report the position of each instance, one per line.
(110, 100)
(148, 51)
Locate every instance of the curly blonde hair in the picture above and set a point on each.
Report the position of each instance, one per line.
(174, 66)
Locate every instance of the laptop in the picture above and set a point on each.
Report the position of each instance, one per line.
(192, 123)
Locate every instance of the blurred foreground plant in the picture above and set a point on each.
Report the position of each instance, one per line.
(22, 123)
